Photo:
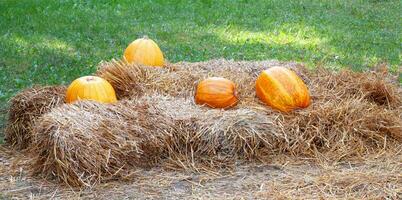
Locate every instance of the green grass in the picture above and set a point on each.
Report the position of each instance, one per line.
(54, 42)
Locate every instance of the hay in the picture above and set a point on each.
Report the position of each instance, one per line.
(25, 108)
(336, 130)
(381, 89)
(93, 142)
(369, 179)
(85, 142)
(377, 177)
(156, 122)
(205, 138)
(180, 79)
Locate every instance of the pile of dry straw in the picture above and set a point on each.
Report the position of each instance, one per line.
(352, 115)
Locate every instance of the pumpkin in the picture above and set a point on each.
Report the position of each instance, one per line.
(281, 88)
(216, 92)
(144, 51)
(91, 88)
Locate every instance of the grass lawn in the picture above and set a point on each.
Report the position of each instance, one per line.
(54, 42)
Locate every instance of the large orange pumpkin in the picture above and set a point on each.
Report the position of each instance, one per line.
(144, 51)
(91, 88)
(216, 92)
(282, 89)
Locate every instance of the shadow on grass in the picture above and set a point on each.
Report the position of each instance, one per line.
(360, 33)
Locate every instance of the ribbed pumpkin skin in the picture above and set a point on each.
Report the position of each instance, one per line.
(282, 89)
(90, 88)
(216, 92)
(144, 51)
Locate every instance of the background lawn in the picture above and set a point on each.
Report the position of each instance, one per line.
(54, 42)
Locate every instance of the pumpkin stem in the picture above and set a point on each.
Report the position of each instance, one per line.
(145, 37)
(91, 78)
(235, 93)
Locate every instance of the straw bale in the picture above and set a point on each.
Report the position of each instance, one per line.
(25, 108)
(156, 121)
(92, 142)
(180, 79)
(87, 142)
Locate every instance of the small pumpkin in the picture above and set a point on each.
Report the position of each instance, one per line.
(282, 89)
(91, 88)
(144, 51)
(216, 92)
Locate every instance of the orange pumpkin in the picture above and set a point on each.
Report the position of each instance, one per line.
(144, 51)
(216, 92)
(282, 89)
(91, 88)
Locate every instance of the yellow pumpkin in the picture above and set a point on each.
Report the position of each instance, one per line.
(282, 89)
(144, 51)
(216, 92)
(91, 88)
